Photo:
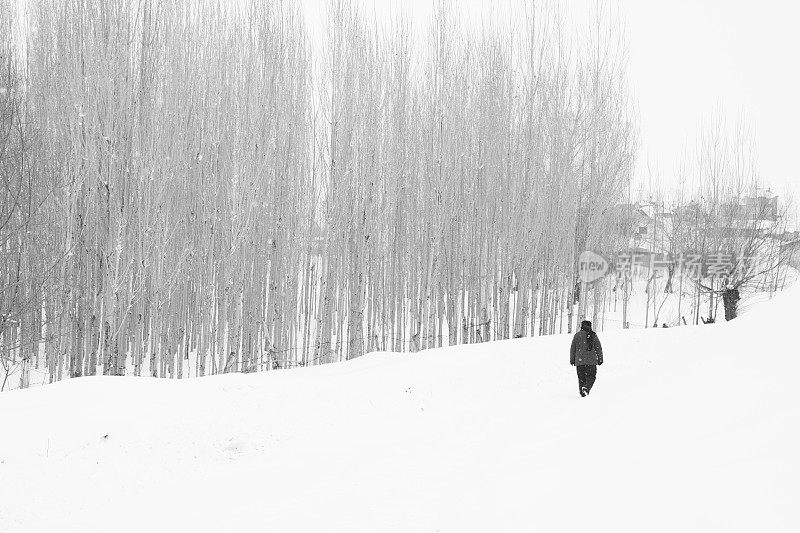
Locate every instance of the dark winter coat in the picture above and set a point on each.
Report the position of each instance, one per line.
(579, 352)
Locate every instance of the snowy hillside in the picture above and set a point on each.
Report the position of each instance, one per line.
(687, 429)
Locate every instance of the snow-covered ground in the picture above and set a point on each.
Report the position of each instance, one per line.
(687, 429)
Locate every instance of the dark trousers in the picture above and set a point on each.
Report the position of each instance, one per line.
(586, 376)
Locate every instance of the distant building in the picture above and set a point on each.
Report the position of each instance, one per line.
(788, 236)
(644, 225)
(629, 220)
(790, 252)
(763, 205)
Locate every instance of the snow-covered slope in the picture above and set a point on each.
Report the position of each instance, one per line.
(687, 429)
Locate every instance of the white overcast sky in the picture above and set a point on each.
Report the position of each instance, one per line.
(688, 58)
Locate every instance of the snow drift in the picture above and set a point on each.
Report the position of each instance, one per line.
(687, 429)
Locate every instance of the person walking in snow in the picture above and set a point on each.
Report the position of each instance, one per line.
(585, 354)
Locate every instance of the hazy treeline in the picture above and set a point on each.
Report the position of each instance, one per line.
(197, 187)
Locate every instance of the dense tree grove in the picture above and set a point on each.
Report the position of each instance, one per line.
(196, 187)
